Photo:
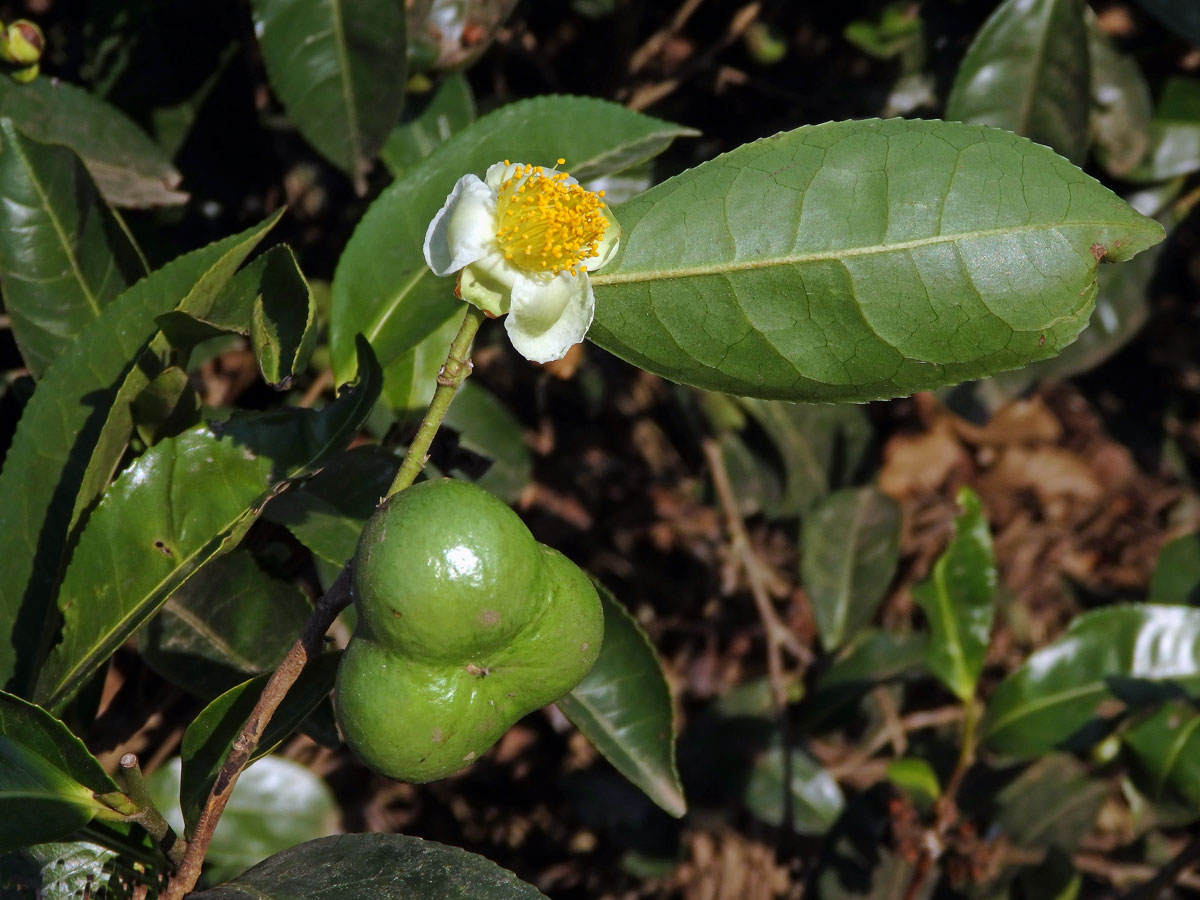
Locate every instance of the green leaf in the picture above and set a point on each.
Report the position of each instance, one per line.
(283, 320)
(275, 804)
(38, 801)
(382, 287)
(184, 502)
(328, 511)
(43, 734)
(817, 800)
(65, 255)
(916, 778)
(1176, 577)
(1121, 103)
(446, 110)
(128, 167)
(1027, 71)
(207, 740)
(1174, 133)
(1063, 686)
(340, 71)
(623, 707)
(1166, 747)
(229, 622)
(958, 599)
(848, 553)
(818, 448)
(379, 866)
(410, 380)
(72, 434)
(859, 260)
(489, 432)
(1053, 803)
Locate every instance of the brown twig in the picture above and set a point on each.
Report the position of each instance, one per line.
(1169, 874)
(307, 647)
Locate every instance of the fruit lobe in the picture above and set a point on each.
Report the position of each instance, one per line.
(466, 623)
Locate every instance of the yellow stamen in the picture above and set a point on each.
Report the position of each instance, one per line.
(555, 226)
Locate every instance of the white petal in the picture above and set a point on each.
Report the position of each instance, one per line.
(488, 282)
(498, 172)
(608, 244)
(464, 228)
(548, 317)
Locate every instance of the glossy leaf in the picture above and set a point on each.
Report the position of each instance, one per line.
(428, 123)
(1053, 803)
(182, 503)
(410, 380)
(1121, 103)
(916, 778)
(1061, 688)
(328, 511)
(958, 599)
(38, 801)
(65, 255)
(850, 545)
(35, 728)
(72, 434)
(382, 287)
(228, 622)
(128, 167)
(207, 740)
(379, 866)
(283, 320)
(1166, 747)
(623, 707)
(490, 434)
(1176, 577)
(1174, 133)
(817, 800)
(1027, 71)
(276, 804)
(340, 71)
(858, 260)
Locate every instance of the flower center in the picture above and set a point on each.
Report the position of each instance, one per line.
(545, 224)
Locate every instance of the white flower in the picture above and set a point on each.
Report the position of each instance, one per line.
(523, 240)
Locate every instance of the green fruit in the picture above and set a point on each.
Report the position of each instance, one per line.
(465, 624)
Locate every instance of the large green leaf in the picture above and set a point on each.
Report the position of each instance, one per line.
(623, 707)
(207, 741)
(382, 287)
(1027, 71)
(184, 502)
(493, 438)
(47, 776)
(71, 436)
(276, 804)
(1053, 803)
(859, 260)
(379, 866)
(339, 69)
(1166, 747)
(57, 871)
(1058, 690)
(958, 599)
(128, 167)
(848, 554)
(65, 254)
(227, 623)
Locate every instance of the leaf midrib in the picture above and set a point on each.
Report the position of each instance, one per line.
(346, 84)
(841, 254)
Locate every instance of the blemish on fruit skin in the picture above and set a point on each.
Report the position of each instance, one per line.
(163, 548)
(583, 647)
(438, 736)
(470, 756)
(489, 617)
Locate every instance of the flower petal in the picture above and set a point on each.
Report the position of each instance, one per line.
(464, 229)
(548, 317)
(608, 244)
